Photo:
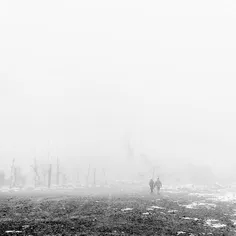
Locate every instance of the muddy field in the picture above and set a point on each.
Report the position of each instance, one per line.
(137, 213)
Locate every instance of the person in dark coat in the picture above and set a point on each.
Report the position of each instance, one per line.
(151, 185)
(158, 184)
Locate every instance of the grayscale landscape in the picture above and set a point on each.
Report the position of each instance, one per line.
(186, 210)
(117, 117)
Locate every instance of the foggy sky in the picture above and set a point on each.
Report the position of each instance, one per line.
(78, 79)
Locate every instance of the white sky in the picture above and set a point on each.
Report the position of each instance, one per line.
(77, 76)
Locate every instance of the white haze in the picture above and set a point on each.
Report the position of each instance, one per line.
(78, 79)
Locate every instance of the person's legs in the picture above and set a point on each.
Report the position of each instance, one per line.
(151, 190)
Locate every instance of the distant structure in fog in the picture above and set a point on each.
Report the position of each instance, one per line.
(129, 150)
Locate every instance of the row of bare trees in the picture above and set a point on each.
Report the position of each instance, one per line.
(17, 179)
(61, 177)
(43, 174)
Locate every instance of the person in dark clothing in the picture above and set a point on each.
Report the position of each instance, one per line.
(158, 184)
(151, 185)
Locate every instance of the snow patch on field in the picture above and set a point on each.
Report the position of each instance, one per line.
(189, 218)
(202, 194)
(13, 231)
(157, 207)
(154, 207)
(227, 197)
(127, 209)
(146, 213)
(180, 232)
(214, 223)
(172, 211)
(195, 205)
(150, 209)
(233, 221)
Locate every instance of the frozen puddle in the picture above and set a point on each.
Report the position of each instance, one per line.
(214, 223)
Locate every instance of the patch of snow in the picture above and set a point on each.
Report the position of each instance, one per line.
(13, 231)
(218, 225)
(191, 206)
(234, 222)
(157, 207)
(154, 207)
(25, 226)
(170, 191)
(145, 213)
(180, 232)
(127, 209)
(202, 194)
(150, 209)
(214, 223)
(194, 205)
(189, 218)
(172, 211)
(227, 197)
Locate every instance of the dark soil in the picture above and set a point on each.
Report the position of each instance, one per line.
(53, 214)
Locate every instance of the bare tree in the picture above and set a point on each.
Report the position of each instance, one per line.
(64, 179)
(87, 180)
(20, 179)
(78, 177)
(129, 150)
(36, 173)
(44, 173)
(105, 177)
(50, 175)
(58, 171)
(94, 177)
(13, 179)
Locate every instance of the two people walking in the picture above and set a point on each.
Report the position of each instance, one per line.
(157, 184)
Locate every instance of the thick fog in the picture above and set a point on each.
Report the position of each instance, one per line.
(123, 85)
